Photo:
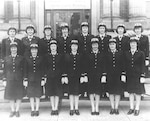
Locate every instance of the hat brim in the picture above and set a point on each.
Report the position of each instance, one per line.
(112, 42)
(13, 46)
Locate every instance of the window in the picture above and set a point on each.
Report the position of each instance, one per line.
(27, 9)
(124, 9)
(115, 7)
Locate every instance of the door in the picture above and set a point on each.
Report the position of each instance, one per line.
(72, 17)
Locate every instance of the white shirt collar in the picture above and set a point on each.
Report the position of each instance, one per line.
(138, 35)
(84, 34)
(95, 51)
(30, 37)
(14, 55)
(102, 35)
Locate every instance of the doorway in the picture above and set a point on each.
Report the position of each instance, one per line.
(72, 17)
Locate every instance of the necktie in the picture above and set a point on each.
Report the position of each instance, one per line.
(120, 38)
(133, 52)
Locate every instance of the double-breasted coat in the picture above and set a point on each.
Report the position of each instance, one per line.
(103, 47)
(143, 45)
(64, 44)
(73, 69)
(5, 51)
(34, 71)
(26, 45)
(122, 43)
(85, 43)
(13, 72)
(53, 74)
(45, 46)
(103, 43)
(134, 70)
(114, 67)
(85, 49)
(95, 69)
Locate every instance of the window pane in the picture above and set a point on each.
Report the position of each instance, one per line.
(2, 9)
(24, 8)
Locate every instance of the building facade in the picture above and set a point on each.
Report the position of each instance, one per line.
(20, 13)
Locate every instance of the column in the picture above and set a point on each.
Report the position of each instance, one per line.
(39, 17)
(2, 10)
(95, 15)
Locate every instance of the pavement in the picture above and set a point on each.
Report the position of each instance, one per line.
(85, 110)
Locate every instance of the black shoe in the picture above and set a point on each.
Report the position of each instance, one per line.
(136, 112)
(96, 113)
(77, 112)
(53, 113)
(112, 111)
(12, 114)
(71, 112)
(32, 113)
(92, 113)
(36, 113)
(130, 112)
(17, 114)
(56, 112)
(116, 111)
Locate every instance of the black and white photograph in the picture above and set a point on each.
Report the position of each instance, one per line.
(75, 60)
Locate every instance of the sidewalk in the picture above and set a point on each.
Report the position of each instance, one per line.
(85, 115)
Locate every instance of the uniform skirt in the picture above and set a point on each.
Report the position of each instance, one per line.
(34, 89)
(14, 90)
(73, 84)
(54, 86)
(94, 84)
(114, 85)
(133, 85)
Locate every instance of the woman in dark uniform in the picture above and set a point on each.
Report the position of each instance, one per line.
(45, 41)
(103, 45)
(6, 43)
(122, 42)
(134, 60)
(95, 69)
(73, 70)
(64, 47)
(53, 74)
(114, 68)
(103, 37)
(13, 77)
(34, 71)
(121, 39)
(30, 39)
(143, 44)
(64, 40)
(85, 48)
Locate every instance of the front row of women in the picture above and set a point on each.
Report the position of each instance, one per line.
(54, 70)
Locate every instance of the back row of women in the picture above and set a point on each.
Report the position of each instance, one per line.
(75, 61)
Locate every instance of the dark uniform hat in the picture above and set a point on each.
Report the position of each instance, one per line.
(13, 44)
(138, 25)
(30, 26)
(94, 40)
(53, 42)
(74, 41)
(134, 39)
(121, 25)
(102, 24)
(84, 24)
(34, 46)
(112, 40)
(11, 28)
